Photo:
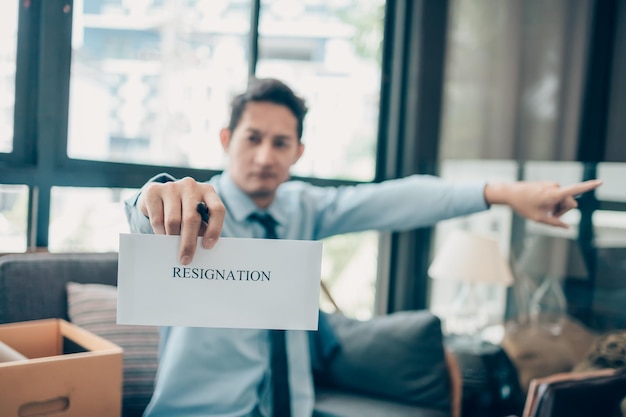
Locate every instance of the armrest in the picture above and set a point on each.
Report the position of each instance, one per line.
(597, 393)
(456, 382)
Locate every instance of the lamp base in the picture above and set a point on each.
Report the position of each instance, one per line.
(467, 316)
(467, 342)
(548, 306)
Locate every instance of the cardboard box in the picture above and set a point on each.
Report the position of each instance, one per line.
(70, 372)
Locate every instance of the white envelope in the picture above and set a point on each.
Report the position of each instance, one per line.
(240, 283)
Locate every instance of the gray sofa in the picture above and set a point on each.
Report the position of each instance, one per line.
(392, 365)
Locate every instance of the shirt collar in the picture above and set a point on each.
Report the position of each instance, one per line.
(240, 205)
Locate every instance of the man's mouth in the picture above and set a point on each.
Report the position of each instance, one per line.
(265, 175)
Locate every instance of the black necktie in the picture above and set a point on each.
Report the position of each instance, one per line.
(280, 376)
(268, 223)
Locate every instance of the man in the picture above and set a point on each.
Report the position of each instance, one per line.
(226, 372)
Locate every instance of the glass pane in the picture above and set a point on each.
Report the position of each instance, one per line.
(612, 176)
(513, 79)
(562, 172)
(495, 222)
(349, 271)
(151, 81)
(607, 291)
(8, 51)
(329, 51)
(609, 229)
(87, 219)
(13, 218)
(474, 40)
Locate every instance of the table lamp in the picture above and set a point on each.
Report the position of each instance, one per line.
(549, 260)
(471, 260)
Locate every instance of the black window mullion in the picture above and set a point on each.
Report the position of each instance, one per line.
(55, 59)
(388, 133)
(253, 37)
(412, 141)
(31, 225)
(597, 84)
(52, 109)
(594, 119)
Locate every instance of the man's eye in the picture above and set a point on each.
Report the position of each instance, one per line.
(254, 139)
(281, 144)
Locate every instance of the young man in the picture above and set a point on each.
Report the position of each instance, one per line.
(226, 372)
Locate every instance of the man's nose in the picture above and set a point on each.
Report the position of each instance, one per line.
(264, 154)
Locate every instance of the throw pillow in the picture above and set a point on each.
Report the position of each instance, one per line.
(609, 351)
(399, 356)
(94, 308)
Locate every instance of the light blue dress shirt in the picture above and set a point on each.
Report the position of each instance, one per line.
(226, 372)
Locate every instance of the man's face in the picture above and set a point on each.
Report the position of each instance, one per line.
(262, 149)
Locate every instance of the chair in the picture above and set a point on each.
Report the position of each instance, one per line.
(577, 394)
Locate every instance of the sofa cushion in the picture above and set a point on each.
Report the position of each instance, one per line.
(336, 403)
(399, 356)
(94, 307)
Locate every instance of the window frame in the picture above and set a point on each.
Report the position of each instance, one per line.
(39, 158)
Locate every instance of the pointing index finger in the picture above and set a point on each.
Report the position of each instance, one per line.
(580, 188)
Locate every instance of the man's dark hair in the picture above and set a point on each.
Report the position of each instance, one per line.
(272, 91)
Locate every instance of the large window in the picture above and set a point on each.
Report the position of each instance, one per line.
(151, 81)
(494, 223)
(13, 198)
(96, 96)
(8, 50)
(330, 50)
(13, 202)
(514, 79)
(513, 93)
(87, 219)
(147, 89)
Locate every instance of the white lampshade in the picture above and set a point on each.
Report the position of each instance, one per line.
(469, 257)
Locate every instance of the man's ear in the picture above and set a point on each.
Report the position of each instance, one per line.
(225, 138)
(300, 152)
